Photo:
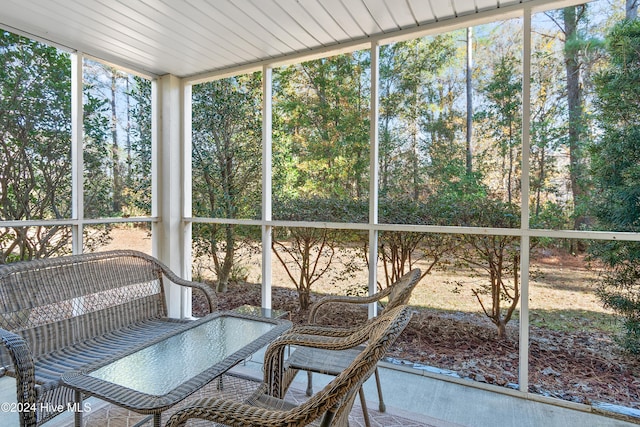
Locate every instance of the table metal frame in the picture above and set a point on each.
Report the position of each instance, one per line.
(83, 383)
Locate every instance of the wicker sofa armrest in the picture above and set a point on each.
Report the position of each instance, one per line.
(25, 375)
(206, 289)
(334, 299)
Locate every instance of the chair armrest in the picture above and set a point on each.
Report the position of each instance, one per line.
(331, 299)
(276, 373)
(24, 366)
(319, 341)
(327, 331)
(235, 414)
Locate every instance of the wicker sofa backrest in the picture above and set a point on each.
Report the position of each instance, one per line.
(55, 302)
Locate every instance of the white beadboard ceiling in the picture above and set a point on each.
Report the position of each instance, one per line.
(193, 37)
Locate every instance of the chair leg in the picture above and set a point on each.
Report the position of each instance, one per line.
(365, 411)
(381, 406)
(309, 383)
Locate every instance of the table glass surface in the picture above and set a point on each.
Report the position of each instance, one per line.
(163, 366)
(254, 310)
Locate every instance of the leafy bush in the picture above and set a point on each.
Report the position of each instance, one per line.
(618, 290)
(307, 253)
(399, 250)
(615, 159)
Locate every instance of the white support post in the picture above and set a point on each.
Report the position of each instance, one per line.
(267, 101)
(373, 177)
(77, 159)
(168, 242)
(187, 204)
(523, 371)
(77, 166)
(155, 178)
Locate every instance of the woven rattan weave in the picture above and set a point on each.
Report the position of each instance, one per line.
(333, 362)
(328, 407)
(61, 314)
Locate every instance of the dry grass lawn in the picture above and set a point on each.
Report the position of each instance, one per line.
(561, 287)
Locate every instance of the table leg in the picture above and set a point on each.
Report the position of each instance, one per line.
(77, 415)
(143, 422)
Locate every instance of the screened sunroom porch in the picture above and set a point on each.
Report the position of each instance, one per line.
(179, 49)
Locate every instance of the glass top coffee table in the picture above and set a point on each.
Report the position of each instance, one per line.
(151, 379)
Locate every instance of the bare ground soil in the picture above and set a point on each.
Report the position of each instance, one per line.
(582, 367)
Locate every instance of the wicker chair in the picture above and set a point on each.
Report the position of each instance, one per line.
(333, 362)
(329, 407)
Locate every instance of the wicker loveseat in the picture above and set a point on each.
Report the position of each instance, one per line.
(61, 314)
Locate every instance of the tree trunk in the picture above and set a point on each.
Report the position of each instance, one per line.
(469, 100)
(304, 299)
(631, 9)
(502, 329)
(128, 144)
(117, 185)
(384, 163)
(541, 178)
(414, 154)
(576, 114)
(224, 272)
(511, 169)
(222, 286)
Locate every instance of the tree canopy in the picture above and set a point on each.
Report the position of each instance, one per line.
(616, 173)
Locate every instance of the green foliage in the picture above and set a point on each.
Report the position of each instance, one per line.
(616, 172)
(616, 158)
(35, 159)
(404, 211)
(138, 180)
(321, 127)
(618, 289)
(474, 209)
(35, 146)
(321, 209)
(548, 132)
(419, 123)
(226, 159)
(494, 258)
(502, 119)
(117, 142)
(227, 138)
(550, 216)
(96, 156)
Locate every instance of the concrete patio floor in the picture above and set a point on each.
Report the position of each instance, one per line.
(412, 398)
(413, 395)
